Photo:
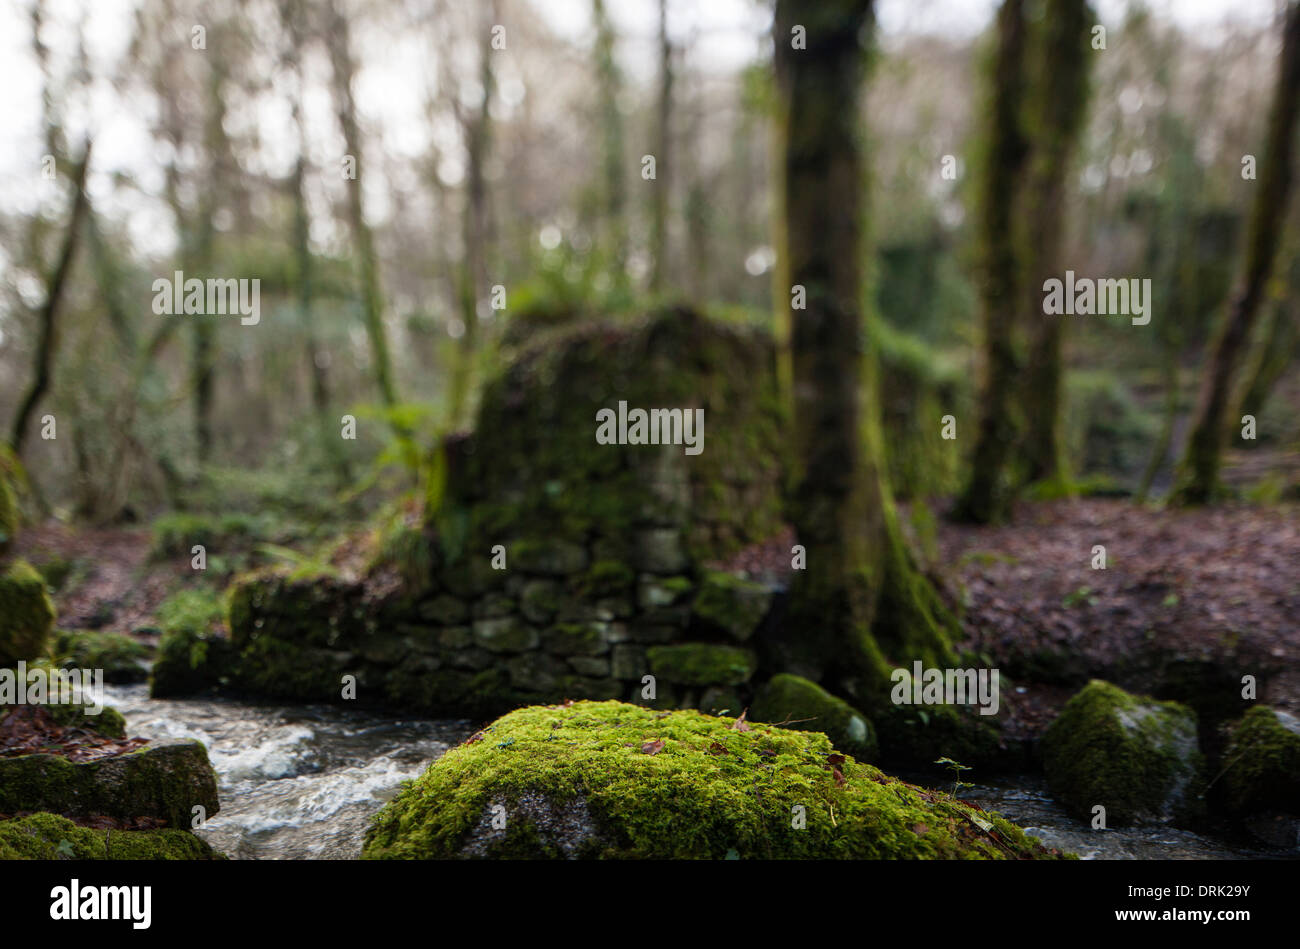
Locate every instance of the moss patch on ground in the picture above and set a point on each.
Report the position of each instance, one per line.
(26, 614)
(612, 780)
(45, 836)
(1134, 756)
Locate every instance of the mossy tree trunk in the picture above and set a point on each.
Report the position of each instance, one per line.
(473, 270)
(663, 142)
(1060, 63)
(612, 151)
(1277, 348)
(216, 146)
(987, 494)
(48, 334)
(1198, 474)
(859, 604)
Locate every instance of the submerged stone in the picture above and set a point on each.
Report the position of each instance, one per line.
(613, 780)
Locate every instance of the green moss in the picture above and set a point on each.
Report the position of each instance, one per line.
(120, 657)
(174, 535)
(107, 722)
(164, 779)
(26, 614)
(412, 550)
(1262, 763)
(44, 836)
(192, 654)
(731, 604)
(607, 578)
(575, 781)
(808, 707)
(576, 639)
(536, 472)
(8, 511)
(1134, 756)
(701, 664)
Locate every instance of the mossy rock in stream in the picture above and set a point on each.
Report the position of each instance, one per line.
(44, 836)
(164, 779)
(119, 657)
(1134, 756)
(807, 706)
(192, 655)
(26, 614)
(1262, 761)
(612, 780)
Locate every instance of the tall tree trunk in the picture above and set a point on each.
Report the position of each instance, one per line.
(1198, 475)
(216, 147)
(987, 495)
(473, 271)
(611, 119)
(663, 142)
(291, 14)
(372, 304)
(859, 603)
(1058, 102)
(47, 343)
(1275, 355)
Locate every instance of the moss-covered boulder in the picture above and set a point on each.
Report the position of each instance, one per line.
(1134, 756)
(1262, 764)
(164, 779)
(611, 780)
(106, 722)
(188, 662)
(807, 706)
(26, 613)
(43, 836)
(119, 657)
(192, 654)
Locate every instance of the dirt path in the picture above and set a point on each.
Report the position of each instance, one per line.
(110, 584)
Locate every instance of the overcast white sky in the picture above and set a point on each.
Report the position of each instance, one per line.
(723, 35)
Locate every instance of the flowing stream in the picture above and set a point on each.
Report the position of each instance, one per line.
(302, 781)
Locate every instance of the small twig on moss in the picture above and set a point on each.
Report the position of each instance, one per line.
(793, 721)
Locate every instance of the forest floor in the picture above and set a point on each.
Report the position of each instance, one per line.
(1189, 599)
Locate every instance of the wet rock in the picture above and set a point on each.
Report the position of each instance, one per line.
(164, 779)
(1134, 756)
(808, 707)
(614, 780)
